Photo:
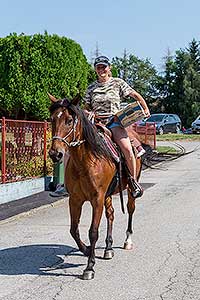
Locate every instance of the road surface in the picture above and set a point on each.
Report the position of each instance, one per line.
(39, 259)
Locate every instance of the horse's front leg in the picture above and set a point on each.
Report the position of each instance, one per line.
(109, 211)
(88, 273)
(75, 206)
(128, 244)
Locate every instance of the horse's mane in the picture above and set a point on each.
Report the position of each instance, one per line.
(93, 140)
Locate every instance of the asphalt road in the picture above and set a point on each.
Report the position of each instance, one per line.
(39, 259)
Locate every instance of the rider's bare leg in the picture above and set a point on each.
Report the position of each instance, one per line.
(122, 140)
(138, 146)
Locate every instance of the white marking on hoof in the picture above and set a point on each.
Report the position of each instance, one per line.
(128, 246)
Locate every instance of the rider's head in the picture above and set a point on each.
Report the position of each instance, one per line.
(102, 67)
(101, 60)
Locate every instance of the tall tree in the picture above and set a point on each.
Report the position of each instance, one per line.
(31, 66)
(181, 83)
(166, 86)
(194, 53)
(192, 81)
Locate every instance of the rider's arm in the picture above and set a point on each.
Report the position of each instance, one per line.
(141, 101)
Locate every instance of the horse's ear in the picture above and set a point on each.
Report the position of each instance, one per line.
(52, 98)
(76, 99)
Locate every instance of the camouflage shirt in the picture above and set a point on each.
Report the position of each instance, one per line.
(105, 98)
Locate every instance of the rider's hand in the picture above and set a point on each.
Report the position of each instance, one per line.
(147, 112)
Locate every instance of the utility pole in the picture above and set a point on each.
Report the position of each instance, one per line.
(125, 66)
(95, 54)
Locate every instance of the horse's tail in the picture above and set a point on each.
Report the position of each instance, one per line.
(148, 154)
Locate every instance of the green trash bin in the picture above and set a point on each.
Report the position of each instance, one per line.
(58, 174)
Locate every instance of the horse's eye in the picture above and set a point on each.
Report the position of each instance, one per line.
(69, 122)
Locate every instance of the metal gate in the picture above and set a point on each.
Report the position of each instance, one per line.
(23, 149)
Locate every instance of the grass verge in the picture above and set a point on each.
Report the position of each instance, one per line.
(166, 150)
(178, 137)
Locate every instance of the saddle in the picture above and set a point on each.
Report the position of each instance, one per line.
(106, 134)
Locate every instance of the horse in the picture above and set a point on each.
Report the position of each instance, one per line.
(88, 176)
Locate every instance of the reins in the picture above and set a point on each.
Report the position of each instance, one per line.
(74, 142)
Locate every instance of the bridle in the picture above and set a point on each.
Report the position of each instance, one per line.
(74, 142)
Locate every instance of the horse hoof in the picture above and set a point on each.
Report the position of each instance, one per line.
(128, 246)
(88, 275)
(108, 254)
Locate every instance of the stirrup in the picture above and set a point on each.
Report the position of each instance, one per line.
(137, 189)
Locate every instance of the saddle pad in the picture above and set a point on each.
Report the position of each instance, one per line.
(133, 112)
(111, 146)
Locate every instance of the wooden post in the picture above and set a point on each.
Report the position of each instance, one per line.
(3, 154)
(146, 127)
(45, 148)
(154, 135)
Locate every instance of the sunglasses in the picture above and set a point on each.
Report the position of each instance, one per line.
(101, 67)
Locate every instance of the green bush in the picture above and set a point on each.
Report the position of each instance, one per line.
(32, 66)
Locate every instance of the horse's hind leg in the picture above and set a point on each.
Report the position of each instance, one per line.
(109, 211)
(75, 213)
(128, 244)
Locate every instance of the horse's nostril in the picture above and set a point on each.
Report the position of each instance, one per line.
(60, 155)
(56, 156)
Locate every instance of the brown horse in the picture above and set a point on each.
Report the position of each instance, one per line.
(88, 175)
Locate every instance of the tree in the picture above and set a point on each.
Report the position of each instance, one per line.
(194, 53)
(138, 73)
(32, 66)
(181, 83)
(191, 81)
(189, 103)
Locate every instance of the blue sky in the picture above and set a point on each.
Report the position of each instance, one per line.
(144, 28)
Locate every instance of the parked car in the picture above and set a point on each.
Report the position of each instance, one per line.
(165, 123)
(196, 125)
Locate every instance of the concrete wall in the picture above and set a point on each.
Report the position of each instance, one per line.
(17, 190)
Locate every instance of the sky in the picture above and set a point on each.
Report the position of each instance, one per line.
(146, 29)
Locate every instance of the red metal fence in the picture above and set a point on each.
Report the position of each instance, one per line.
(23, 148)
(147, 133)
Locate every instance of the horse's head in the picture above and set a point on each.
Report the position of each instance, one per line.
(64, 126)
(71, 128)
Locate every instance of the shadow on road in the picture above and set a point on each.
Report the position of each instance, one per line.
(46, 260)
(36, 260)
